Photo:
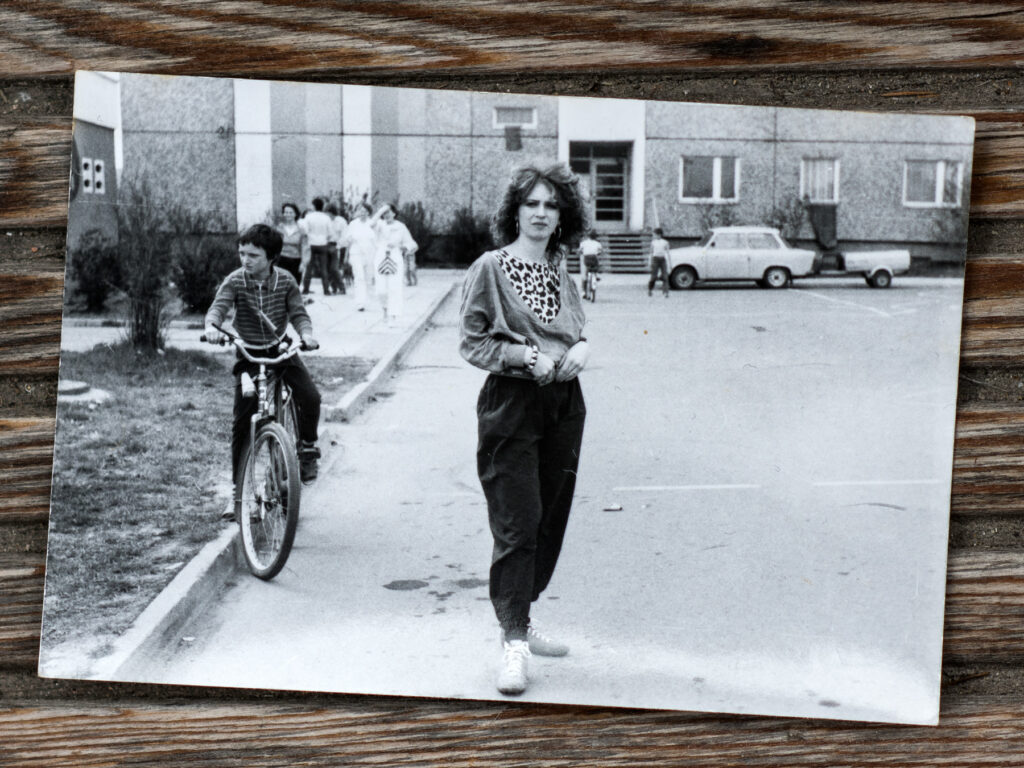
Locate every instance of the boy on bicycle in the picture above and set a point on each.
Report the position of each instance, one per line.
(266, 299)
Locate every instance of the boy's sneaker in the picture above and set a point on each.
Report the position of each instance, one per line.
(308, 466)
(542, 645)
(512, 679)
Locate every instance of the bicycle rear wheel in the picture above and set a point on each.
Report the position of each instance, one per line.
(269, 490)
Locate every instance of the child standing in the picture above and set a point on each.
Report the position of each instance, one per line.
(660, 263)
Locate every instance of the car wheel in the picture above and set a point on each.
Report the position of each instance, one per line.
(683, 278)
(776, 277)
(881, 279)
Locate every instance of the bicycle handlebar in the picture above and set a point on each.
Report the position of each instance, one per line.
(292, 350)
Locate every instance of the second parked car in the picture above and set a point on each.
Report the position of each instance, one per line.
(760, 254)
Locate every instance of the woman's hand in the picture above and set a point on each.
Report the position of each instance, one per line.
(573, 361)
(544, 369)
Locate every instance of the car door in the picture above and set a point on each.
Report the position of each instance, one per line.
(764, 251)
(726, 255)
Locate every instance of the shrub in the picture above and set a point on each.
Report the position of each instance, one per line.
(94, 267)
(144, 247)
(788, 217)
(202, 262)
(469, 235)
(715, 215)
(420, 225)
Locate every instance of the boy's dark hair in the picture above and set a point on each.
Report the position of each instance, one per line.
(332, 209)
(659, 231)
(262, 236)
(318, 203)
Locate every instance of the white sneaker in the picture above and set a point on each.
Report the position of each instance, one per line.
(542, 645)
(512, 679)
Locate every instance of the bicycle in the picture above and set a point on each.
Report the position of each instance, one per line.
(590, 285)
(267, 485)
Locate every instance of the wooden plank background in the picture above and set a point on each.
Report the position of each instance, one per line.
(935, 56)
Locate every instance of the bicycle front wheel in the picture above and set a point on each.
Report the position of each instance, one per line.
(269, 489)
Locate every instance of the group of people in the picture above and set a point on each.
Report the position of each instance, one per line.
(374, 248)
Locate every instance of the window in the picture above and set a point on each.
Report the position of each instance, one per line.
(932, 183)
(93, 176)
(521, 117)
(709, 179)
(762, 241)
(819, 179)
(728, 240)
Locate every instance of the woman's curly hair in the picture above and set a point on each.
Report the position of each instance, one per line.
(572, 210)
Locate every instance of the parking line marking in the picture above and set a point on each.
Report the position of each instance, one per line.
(684, 487)
(842, 301)
(837, 483)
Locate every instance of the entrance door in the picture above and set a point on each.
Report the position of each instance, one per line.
(604, 170)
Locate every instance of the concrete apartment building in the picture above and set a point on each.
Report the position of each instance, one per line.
(242, 148)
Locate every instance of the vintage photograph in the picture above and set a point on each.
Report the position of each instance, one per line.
(503, 396)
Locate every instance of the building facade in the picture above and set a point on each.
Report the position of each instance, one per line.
(245, 147)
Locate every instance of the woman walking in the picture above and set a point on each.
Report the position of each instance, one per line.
(291, 237)
(361, 240)
(522, 321)
(394, 245)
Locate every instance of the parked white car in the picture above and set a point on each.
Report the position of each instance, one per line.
(760, 254)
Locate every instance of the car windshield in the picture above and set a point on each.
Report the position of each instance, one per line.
(704, 240)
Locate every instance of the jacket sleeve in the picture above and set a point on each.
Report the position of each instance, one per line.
(222, 303)
(486, 341)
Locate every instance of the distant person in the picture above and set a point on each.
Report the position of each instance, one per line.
(590, 258)
(290, 259)
(394, 247)
(265, 299)
(338, 225)
(660, 263)
(522, 321)
(317, 227)
(361, 241)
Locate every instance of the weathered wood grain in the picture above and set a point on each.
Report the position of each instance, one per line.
(374, 731)
(936, 56)
(46, 37)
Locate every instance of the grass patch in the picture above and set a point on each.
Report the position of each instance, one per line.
(140, 480)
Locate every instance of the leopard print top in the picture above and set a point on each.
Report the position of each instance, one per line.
(538, 285)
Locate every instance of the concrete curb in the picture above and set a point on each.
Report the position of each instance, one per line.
(198, 583)
(188, 593)
(356, 398)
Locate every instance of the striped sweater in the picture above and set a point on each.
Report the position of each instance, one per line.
(277, 297)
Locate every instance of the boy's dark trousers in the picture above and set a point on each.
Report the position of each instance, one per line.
(333, 269)
(307, 401)
(659, 270)
(318, 255)
(527, 456)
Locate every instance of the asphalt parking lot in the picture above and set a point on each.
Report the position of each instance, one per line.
(760, 523)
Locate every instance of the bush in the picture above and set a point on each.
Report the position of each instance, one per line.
(468, 236)
(94, 267)
(144, 245)
(202, 262)
(788, 217)
(715, 215)
(420, 225)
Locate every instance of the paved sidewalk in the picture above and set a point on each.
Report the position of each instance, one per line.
(341, 330)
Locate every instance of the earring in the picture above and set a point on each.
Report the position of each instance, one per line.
(517, 227)
(558, 233)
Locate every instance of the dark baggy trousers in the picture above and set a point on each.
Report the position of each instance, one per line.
(527, 455)
(659, 270)
(307, 401)
(318, 255)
